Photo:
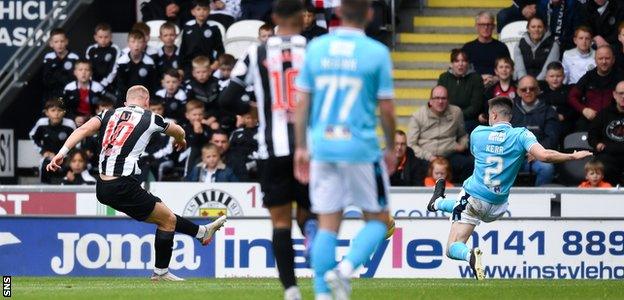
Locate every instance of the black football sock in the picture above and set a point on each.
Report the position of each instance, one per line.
(284, 256)
(163, 244)
(185, 226)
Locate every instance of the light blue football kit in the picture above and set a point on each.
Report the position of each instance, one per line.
(346, 73)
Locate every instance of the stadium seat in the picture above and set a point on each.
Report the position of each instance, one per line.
(240, 36)
(511, 35)
(571, 173)
(154, 40)
(576, 141)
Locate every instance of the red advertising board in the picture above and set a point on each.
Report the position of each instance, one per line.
(37, 203)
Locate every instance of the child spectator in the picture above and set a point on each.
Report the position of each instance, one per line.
(103, 55)
(211, 168)
(197, 134)
(172, 96)
(169, 53)
(555, 94)
(225, 11)
(503, 68)
(82, 94)
(152, 52)
(104, 105)
(50, 133)
(199, 38)
(58, 65)
(439, 168)
(203, 86)
(265, 32)
(91, 145)
(77, 173)
(576, 62)
(157, 155)
(135, 67)
(594, 175)
(310, 29)
(240, 155)
(226, 119)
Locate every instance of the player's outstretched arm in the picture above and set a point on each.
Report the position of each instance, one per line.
(231, 98)
(87, 129)
(302, 157)
(177, 132)
(388, 124)
(552, 156)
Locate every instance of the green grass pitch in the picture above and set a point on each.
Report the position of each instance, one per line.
(265, 288)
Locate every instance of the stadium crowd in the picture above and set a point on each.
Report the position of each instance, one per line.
(565, 75)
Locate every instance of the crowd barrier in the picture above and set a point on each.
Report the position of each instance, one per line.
(513, 248)
(245, 199)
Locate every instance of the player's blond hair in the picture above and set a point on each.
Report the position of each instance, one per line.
(137, 93)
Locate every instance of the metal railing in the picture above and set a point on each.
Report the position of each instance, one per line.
(15, 73)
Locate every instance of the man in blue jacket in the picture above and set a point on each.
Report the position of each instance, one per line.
(541, 119)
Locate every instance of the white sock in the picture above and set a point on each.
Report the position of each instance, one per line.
(161, 271)
(201, 231)
(346, 268)
(323, 297)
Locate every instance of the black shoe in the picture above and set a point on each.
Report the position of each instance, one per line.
(438, 192)
(475, 264)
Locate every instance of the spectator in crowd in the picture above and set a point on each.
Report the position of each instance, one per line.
(152, 52)
(505, 87)
(169, 53)
(265, 32)
(438, 131)
(135, 67)
(408, 171)
(606, 135)
(594, 175)
(226, 119)
(465, 88)
(175, 11)
(197, 134)
(199, 38)
(594, 91)
(172, 95)
(618, 49)
(243, 144)
(77, 173)
(256, 10)
(531, 112)
(58, 65)
(103, 55)
(159, 151)
(519, 10)
(576, 62)
(484, 50)
(439, 168)
(50, 133)
(103, 105)
(555, 94)
(603, 17)
(310, 29)
(535, 51)
(203, 86)
(562, 17)
(82, 94)
(225, 12)
(220, 139)
(211, 168)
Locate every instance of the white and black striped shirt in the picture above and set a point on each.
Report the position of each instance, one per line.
(272, 68)
(125, 133)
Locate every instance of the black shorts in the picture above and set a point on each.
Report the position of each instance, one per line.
(279, 184)
(126, 195)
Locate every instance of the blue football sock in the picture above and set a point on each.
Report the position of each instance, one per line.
(445, 205)
(459, 251)
(323, 258)
(365, 243)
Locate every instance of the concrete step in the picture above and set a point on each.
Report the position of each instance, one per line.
(426, 74)
(412, 93)
(426, 38)
(420, 65)
(469, 3)
(408, 47)
(462, 30)
(413, 84)
(444, 21)
(414, 56)
(436, 11)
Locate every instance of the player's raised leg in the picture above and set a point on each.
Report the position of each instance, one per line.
(438, 199)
